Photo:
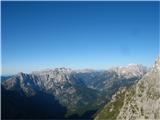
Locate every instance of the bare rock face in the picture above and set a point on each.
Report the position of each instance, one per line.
(139, 102)
(157, 64)
(131, 70)
(145, 103)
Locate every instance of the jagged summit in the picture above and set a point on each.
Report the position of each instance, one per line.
(63, 69)
(157, 63)
(20, 74)
(139, 102)
(130, 70)
(55, 70)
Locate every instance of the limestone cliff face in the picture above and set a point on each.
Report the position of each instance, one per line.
(145, 103)
(141, 101)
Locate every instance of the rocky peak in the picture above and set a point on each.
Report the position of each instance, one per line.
(130, 70)
(157, 63)
(63, 70)
(140, 101)
(21, 75)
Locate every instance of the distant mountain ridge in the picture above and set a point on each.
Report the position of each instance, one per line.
(79, 91)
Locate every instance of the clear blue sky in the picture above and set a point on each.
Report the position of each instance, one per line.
(39, 35)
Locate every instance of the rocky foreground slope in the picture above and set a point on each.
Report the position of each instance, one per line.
(141, 101)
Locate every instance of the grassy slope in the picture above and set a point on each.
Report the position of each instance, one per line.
(112, 109)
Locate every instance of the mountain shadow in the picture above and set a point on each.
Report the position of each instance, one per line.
(88, 115)
(40, 106)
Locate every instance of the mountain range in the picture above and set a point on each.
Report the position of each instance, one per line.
(66, 93)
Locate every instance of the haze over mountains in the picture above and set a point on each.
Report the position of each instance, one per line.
(63, 92)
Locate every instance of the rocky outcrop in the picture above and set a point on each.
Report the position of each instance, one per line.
(141, 101)
(145, 103)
